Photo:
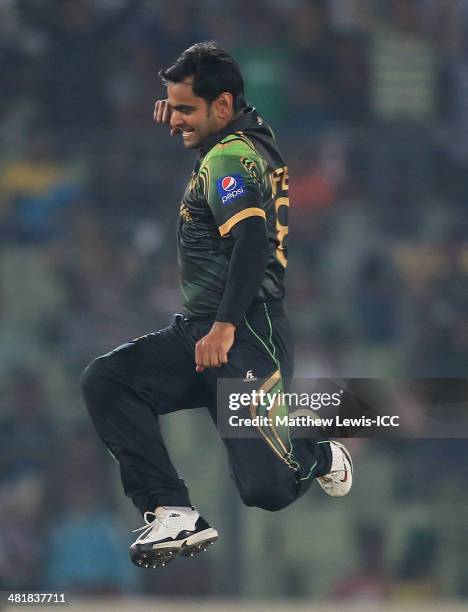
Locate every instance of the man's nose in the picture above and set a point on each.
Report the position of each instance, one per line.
(176, 119)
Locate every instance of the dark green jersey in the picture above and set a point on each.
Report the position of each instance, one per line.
(240, 173)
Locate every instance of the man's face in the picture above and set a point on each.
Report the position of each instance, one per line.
(191, 116)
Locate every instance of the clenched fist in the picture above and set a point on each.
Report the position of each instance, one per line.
(211, 350)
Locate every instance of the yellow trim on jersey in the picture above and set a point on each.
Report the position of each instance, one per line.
(253, 211)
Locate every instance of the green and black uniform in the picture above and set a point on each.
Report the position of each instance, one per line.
(232, 254)
(239, 174)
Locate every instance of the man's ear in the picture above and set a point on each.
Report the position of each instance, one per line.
(224, 105)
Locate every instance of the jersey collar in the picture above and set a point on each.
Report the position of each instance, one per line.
(248, 118)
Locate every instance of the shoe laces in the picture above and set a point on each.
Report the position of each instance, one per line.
(146, 529)
(332, 475)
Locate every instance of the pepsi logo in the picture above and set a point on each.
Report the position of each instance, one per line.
(228, 183)
(230, 187)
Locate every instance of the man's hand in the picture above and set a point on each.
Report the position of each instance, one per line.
(211, 350)
(162, 114)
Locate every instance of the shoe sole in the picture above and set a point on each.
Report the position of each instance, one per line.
(152, 556)
(196, 544)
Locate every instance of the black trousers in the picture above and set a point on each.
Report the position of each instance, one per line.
(128, 389)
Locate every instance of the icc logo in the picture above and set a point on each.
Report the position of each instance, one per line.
(228, 183)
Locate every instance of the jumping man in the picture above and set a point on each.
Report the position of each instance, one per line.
(232, 244)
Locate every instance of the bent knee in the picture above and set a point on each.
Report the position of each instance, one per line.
(265, 497)
(94, 376)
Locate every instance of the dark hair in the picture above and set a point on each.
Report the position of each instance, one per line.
(214, 71)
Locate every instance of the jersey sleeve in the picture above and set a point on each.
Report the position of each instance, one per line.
(231, 180)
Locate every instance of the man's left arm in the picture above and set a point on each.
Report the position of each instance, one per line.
(245, 274)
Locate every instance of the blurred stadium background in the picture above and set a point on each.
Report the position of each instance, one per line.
(369, 100)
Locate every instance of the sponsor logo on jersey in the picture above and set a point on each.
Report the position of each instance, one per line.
(230, 187)
(228, 183)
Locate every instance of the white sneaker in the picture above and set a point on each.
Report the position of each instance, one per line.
(339, 480)
(173, 530)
